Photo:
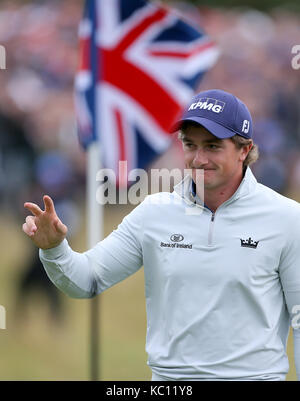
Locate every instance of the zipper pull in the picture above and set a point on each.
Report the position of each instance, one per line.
(213, 217)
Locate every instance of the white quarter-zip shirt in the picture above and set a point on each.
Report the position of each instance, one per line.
(221, 288)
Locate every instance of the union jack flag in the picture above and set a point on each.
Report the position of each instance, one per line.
(139, 66)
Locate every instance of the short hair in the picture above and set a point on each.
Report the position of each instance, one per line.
(238, 140)
(253, 154)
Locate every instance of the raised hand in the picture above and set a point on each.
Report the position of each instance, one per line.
(44, 228)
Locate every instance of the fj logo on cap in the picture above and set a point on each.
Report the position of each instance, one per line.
(208, 104)
(246, 126)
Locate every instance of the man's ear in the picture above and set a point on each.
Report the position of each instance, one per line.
(246, 150)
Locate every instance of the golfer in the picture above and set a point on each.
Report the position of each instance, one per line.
(221, 257)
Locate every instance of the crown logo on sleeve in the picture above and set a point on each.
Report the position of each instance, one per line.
(249, 243)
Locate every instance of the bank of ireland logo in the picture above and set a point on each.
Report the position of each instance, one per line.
(176, 242)
(177, 238)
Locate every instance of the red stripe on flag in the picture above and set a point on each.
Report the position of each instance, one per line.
(120, 129)
(122, 179)
(84, 55)
(139, 29)
(140, 87)
(183, 54)
(138, 84)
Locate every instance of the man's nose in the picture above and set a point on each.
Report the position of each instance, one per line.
(200, 158)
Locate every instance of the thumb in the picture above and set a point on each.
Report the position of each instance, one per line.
(60, 227)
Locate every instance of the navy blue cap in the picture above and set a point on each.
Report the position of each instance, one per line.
(220, 112)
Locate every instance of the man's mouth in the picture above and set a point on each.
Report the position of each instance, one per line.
(205, 169)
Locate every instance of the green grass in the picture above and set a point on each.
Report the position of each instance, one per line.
(35, 347)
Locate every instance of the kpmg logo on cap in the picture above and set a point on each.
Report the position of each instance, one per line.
(207, 103)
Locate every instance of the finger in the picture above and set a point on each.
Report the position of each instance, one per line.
(60, 227)
(30, 221)
(27, 230)
(33, 208)
(49, 205)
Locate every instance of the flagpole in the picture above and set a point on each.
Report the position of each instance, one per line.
(95, 234)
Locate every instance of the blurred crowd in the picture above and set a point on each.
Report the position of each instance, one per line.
(256, 65)
(36, 103)
(37, 120)
(39, 151)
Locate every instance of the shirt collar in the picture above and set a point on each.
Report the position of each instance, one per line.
(187, 188)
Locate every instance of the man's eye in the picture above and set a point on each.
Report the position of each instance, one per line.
(211, 146)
